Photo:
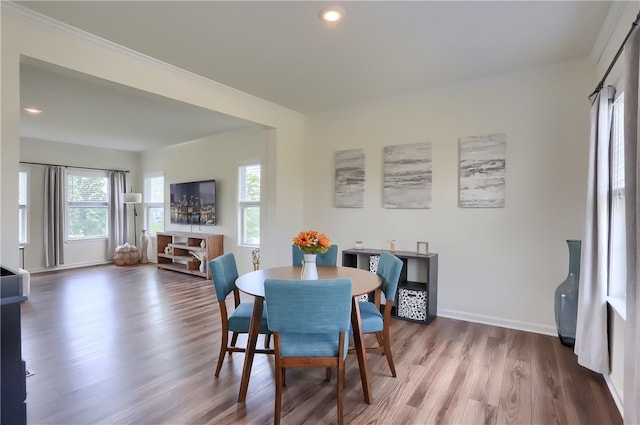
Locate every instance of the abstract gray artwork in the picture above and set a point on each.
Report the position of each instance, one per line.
(482, 171)
(349, 184)
(407, 176)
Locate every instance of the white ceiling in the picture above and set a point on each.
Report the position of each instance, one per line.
(85, 110)
(280, 51)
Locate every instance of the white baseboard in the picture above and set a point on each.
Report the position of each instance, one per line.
(70, 266)
(498, 321)
(614, 393)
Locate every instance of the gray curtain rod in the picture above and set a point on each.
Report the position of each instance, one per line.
(615, 58)
(71, 166)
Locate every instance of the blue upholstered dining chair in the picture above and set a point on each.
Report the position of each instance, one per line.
(329, 258)
(224, 273)
(310, 322)
(374, 321)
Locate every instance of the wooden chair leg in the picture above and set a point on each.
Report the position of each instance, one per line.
(267, 340)
(387, 351)
(223, 351)
(340, 392)
(380, 339)
(328, 375)
(234, 339)
(278, 401)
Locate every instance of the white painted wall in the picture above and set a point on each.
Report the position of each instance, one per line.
(217, 157)
(499, 266)
(76, 253)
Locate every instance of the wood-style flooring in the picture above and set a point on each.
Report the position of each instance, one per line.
(138, 345)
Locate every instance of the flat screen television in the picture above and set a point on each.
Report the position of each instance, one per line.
(193, 202)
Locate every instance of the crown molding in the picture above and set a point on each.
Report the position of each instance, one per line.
(32, 17)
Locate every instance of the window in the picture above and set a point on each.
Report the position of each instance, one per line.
(617, 248)
(249, 205)
(154, 203)
(23, 210)
(87, 204)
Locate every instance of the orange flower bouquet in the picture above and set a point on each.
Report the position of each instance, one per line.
(312, 242)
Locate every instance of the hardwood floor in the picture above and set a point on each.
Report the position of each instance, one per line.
(121, 345)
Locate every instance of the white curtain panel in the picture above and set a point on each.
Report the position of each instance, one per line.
(54, 216)
(632, 179)
(117, 211)
(591, 330)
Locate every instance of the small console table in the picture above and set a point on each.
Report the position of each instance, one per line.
(416, 299)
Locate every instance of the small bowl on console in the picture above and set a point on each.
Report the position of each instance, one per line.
(358, 245)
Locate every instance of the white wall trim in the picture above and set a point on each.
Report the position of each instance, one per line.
(498, 321)
(69, 266)
(619, 305)
(614, 393)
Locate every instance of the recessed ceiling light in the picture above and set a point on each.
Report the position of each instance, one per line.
(332, 15)
(33, 111)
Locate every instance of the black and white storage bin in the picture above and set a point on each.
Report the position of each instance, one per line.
(373, 268)
(412, 304)
(373, 263)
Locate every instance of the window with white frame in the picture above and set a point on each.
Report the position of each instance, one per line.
(23, 204)
(249, 205)
(617, 247)
(87, 205)
(154, 203)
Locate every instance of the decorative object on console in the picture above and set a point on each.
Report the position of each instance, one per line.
(358, 245)
(144, 242)
(133, 198)
(422, 248)
(349, 179)
(407, 176)
(482, 171)
(566, 297)
(202, 257)
(392, 245)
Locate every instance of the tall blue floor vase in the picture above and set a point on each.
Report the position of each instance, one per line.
(566, 297)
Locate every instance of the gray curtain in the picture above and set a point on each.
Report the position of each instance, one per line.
(117, 211)
(632, 178)
(54, 216)
(591, 331)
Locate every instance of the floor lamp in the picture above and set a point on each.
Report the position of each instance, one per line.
(133, 198)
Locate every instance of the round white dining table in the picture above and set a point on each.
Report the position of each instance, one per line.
(252, 283)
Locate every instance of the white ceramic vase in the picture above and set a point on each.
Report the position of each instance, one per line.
(309, 270)
(144, 241)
